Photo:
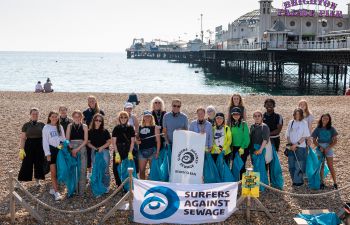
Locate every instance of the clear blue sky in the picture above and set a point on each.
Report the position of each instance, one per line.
(110, 25)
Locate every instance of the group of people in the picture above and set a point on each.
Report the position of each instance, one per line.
(143, 140)
(47, 88)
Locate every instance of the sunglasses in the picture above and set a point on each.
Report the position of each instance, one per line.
(176, 106)
(98, 121)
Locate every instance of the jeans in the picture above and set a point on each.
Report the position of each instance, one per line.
(297, 165)
(83, 166)
(107, 157)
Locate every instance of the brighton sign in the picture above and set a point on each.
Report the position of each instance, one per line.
(329, 9)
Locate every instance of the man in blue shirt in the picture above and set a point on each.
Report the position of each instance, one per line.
(174, 120)
(202, 126)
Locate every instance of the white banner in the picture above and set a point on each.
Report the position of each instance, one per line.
(160, 202)
(187, 158)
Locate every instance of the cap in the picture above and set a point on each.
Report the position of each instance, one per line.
(219, 114)
(128, 105)
(147, 113)
(236, 110)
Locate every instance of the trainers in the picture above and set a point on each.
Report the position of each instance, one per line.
(52, 191)
(335, 186)
(88, 175)
(57, 196)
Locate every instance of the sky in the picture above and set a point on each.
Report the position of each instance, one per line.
(111, 25)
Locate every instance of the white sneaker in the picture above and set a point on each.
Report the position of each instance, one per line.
(58, 197)
(52, 191)
(88, 175)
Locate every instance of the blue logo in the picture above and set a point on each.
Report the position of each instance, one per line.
(173, 203)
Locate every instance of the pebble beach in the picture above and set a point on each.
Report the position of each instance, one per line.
(14, 112)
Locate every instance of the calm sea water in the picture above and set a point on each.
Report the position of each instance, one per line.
(108, 72)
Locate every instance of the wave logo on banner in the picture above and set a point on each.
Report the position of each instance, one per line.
(172, 202)
(188, 158)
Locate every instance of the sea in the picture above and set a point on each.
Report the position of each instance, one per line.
(109, 72)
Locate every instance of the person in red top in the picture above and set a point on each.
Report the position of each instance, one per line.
(347, 93)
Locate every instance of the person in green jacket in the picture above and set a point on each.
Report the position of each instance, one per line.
(222, 138)
(240, 136)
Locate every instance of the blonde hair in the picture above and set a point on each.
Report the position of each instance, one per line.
(307, 111)
(77, 112)
(153, 122)
(159, 100)
(258, 111)
(123, 113)
(97, 108)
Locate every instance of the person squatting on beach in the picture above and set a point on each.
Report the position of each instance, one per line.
(78, 135)
(174, 120)
(123, 139)
(240, 136)
(93, 108)
(31, 149)
(296, 135)
(148, 140)
(99, 141)
(222, 138)
(53, 136)
(202, 126)
(325, 138)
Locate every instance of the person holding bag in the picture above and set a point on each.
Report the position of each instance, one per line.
(296, 134)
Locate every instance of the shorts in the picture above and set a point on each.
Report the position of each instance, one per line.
(330, 152)
(54, 152)
(142, 157)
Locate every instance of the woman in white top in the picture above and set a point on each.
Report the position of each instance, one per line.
(296, 134)
(308, 117)
(53, 136)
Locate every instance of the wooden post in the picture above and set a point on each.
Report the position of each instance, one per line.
(131, 195)
(12, 199)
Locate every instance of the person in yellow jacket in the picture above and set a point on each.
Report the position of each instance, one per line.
(222, 138)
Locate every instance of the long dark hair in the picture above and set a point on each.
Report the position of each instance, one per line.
(232, 121)
(92, 124)
(58, 121)
(329, 124)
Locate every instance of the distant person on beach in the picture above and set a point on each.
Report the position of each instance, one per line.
(53, 136)
(308, 117)
(77, 134)
(240, 136)
(158, 112)
(211, 113)
(123, 140)
(274, 121)
(48, 86)
(236, 101)
(202, 126)
(64, 119)
(325, 138)
(347, 93)
(133, 99)
(88, 114)
(296, 134)
(174, 120)
(148, 140)
(39, 88)
(99, 141)
(31, 149)
(222, 138)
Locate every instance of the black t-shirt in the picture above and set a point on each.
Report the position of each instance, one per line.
(147, 141)
(158, 117)
(272, 120)
(89, 114)
(33, 129)
(99, 137)
(123, 133)
(64, 122)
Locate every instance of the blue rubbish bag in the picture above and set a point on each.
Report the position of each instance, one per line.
(321, 219)
(276, 177)
(68, 169)
(98, 172)
(223, 169)
(236, 167)
(165, 165)
(210, 171)
(313, 168)
(259, 166)
(123, 171)
(155, 173)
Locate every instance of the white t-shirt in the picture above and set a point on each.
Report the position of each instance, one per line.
(51, 137)
(300, 129)
(219, 137)
(38, 87)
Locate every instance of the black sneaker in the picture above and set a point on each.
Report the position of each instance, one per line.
(335, 186)
(322, 186)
